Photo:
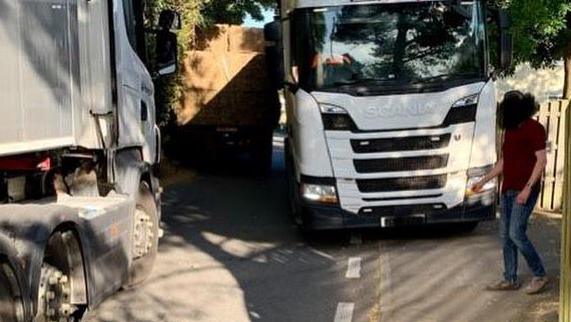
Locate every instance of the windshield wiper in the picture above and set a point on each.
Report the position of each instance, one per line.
(363, 81)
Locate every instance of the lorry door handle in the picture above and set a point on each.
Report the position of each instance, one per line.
(144, 112)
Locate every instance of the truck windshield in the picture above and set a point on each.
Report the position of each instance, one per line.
(414, 45)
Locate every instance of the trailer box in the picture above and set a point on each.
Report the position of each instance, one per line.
(52, 83)
(229, 104)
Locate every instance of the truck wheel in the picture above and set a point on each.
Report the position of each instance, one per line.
(54, 296)
(11, 305)
(146, 237)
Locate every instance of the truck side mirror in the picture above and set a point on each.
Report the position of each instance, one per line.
(274, 53)
(167, 53)
(167, 43)
(506, 40)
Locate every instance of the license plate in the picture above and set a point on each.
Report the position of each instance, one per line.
(403, 220)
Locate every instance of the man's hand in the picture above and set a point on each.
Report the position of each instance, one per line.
(476, 188)
(522, 197)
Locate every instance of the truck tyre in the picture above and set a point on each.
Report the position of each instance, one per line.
(54, 296)
(146, 237)
(11, 305)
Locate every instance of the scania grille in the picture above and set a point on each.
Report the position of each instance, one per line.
(402, 184)
(413, 143)
(401, 164)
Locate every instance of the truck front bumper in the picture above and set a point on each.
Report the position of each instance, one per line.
(321, 217)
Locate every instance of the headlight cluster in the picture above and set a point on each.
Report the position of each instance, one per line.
(486, 196)
(319, 193)
(489, 186)
(467, 101)
(336, 118)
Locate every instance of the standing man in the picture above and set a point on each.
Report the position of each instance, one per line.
(522, 164)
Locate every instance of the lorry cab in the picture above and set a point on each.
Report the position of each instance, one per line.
(391, 111)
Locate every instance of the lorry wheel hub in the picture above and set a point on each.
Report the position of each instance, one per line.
(143, 234)
(55, 295)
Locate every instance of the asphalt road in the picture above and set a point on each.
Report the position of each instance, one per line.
(230, 253)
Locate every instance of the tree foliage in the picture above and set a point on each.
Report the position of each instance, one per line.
(234, 11)
(540, 29)
(542, 33)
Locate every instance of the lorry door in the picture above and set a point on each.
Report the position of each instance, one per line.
(136, 105)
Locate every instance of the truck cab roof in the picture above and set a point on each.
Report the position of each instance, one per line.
(295, 4)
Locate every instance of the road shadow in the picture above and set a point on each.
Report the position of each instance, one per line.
(228, 238)
(230, 244)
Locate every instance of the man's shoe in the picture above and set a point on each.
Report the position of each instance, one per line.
(504, 286)
(536, 285)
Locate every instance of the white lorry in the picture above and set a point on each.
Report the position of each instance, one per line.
(79, 200)
(391, 110)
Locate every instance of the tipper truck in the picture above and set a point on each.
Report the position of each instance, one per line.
(229, 107)
(79, 199)
(391, 110)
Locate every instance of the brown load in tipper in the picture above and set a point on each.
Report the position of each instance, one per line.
(226, 79)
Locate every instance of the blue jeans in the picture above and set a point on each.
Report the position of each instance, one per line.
(513, 232)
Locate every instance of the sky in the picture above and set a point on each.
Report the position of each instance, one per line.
(268, 17)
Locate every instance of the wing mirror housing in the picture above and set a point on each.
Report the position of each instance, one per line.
(166, 43)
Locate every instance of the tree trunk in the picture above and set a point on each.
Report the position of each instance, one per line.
(567, 84)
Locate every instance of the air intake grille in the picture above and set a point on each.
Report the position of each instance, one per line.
(402, 184)
(413, 143)
(402, 210)
(401, 164)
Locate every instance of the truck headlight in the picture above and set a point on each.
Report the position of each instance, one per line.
(319, 193)
(336, 118)
(489, 186)
(467, 101)
(332, 109)
(338, 122)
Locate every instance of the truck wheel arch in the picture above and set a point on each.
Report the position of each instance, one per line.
(13, 272)
(132, 170)
(74, 260)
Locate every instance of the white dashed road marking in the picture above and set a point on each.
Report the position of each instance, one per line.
(344, 312)
(354, 268)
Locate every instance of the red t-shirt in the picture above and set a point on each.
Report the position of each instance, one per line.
(519, 149)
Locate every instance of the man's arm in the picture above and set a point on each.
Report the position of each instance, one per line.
(538, 169)
(495, 172)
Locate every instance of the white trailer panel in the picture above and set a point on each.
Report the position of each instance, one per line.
(55, 71)
(40, 67)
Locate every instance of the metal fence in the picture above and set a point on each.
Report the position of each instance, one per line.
(553, 116)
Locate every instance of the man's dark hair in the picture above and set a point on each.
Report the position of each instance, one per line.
(516, 108)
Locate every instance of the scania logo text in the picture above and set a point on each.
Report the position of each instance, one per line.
(396, 111)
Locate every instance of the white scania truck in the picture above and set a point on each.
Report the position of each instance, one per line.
(391, 109)
(79, 200)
